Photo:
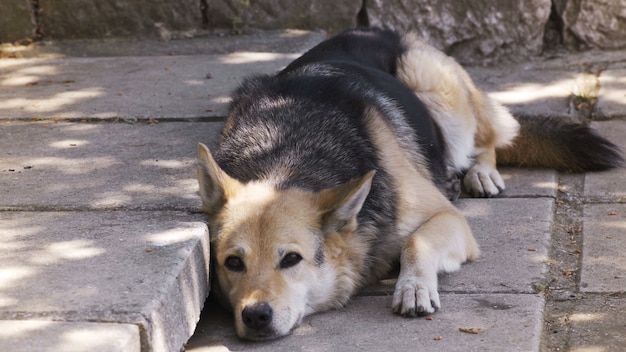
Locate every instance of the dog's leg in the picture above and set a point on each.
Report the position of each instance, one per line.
(483, 178)
(472, 124)
(496, 128)
(442, 243)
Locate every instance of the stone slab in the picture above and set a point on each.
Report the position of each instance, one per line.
(141, 79)
(512, 234)
(54, 336)
(506, 323)
(528, 183)
(608, 185)
(604, 262)
(597, 324)
(612, 93)
(101, 166)
(527, 90)
(106, 18)
(149, 269)
(196, 86)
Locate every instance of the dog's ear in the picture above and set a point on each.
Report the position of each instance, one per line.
(215, 185)
(341, 205)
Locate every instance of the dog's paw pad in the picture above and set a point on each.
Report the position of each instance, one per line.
(483, 181)
(412, 298)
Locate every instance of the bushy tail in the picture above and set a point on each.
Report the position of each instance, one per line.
(560, 144)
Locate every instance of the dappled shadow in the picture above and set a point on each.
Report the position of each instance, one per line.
(199, 85)
(128, 87)
(613, 88)
(529, 91)
(101, 166)
(597, 325)
(604, 263)
(62, 336)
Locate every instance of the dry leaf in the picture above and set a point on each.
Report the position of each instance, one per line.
(471, 330)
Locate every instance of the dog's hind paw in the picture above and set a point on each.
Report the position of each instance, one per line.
(482, 180)
(413, 298)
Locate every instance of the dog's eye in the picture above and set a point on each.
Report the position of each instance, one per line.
(234, 263)
(290, 260)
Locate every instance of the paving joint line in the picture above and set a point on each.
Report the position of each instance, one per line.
(130, 120)
(62, 209)
(562, 289)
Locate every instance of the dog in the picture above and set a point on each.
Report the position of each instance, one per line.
(340, 166)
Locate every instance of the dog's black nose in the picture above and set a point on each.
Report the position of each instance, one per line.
(257, 316)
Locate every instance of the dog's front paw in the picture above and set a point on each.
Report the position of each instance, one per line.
(483, 180)
(413, 297)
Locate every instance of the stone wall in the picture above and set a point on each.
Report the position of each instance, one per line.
(593, 23)
(115, 18)
(329, 15)
(473, 31)
(16, 20)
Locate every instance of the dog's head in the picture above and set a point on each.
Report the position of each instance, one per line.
(280, 254)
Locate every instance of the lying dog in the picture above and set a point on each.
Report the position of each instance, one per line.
(334, 169)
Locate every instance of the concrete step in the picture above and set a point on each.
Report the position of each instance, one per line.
(118, 269)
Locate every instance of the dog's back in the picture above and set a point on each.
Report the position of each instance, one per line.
(311, 115)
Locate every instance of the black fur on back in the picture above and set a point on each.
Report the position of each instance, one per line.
(306, 126)
(310, 115)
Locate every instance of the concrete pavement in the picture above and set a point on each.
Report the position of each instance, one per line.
(103, 246)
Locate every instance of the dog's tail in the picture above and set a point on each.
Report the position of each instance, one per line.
(560, 144)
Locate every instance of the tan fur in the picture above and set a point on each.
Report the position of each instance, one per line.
(434, 235)
(260, 224)
(473, 125)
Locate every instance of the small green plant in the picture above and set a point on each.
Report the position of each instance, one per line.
(237, 24)
(585, 94)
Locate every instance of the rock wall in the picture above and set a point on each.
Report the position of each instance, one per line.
(117, 18)
(16, 20)
(473, 31)
(593, 23)
(330, 15)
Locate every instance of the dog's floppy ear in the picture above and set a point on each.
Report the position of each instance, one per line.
(215, 185)
(340, 205)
